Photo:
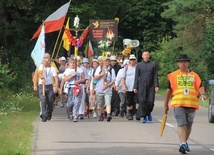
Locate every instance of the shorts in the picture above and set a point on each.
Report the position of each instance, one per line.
(184, 116)
(130, 98)
(104, 98)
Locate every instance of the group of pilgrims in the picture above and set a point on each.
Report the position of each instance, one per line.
(105, 86)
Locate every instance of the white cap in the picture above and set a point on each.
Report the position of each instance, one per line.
(99, 58)
(113, 57)
(78, 58)
(62, 58)
(132, 56)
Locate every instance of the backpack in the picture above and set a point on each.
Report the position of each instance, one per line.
(110, 70)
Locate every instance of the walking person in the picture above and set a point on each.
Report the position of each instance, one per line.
(106, 77)
(46, 75)
(90, 87)
(146, 84)
(73, 80)
(62, 68)
(119, 89)
(128, 85)
(115, 100)
(185, 89)
(82, 110)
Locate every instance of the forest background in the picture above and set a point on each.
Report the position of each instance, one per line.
(165, 27)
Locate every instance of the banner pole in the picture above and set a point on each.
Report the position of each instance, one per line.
(56, 44)
(58, 49)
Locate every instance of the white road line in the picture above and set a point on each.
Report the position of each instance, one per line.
(168, 124)
(212, 149)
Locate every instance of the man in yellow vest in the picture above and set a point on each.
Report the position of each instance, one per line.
(185, 89)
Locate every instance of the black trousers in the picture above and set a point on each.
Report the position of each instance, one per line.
(115, 101)
(46, 100)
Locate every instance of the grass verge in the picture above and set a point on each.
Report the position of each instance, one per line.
(17, 115)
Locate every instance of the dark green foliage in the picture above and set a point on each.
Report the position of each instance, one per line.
(166, 27)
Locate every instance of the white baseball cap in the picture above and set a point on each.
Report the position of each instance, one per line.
(62, 58)
(132, 56)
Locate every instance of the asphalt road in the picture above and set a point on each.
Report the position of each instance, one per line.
(60, 136)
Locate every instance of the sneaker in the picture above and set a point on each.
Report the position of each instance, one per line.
(80, 116)
(129, 117)
(187, 147)
(137, 119)
(183, 149)
(121, 114)
(61, 105)
(49, 117)
(64, 105)
(150, 117)
(101, 118)
(144, 120)
(109, 119)
(94, 115)
(70, 117)
(75, 119)
(44, 119)
(116, 112)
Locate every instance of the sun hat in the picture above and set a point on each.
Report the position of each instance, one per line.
(107, 58)
(183, 57)
(85, 60)
(94, 60)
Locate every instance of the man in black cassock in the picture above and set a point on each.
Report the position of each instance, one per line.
(146, 84)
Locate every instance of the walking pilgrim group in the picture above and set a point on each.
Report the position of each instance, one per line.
(106, 85)
(125, 88)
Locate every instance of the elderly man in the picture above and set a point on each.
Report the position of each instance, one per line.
(46, 89)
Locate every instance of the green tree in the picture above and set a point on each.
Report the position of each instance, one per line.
(193, 34)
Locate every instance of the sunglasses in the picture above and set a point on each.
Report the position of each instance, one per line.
(132, 59)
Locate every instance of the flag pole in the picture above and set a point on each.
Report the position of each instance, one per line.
(43, 70)
(58, 49)
(56, 43)
(117, 19)
(43, 85)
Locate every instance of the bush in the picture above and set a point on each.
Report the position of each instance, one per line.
(6, 76)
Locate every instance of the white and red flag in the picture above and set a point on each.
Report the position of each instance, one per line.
(55, 21)
(90, 49)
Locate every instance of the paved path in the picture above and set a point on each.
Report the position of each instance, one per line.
(61, 136)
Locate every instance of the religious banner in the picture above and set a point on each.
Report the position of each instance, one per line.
(103, 30)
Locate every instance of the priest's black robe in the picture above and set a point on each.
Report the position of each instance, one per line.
(146, 79)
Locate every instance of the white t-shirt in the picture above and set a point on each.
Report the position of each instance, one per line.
(49, 73)
(69, 72)
(129, 75)
(119, 76)
(110, 77)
